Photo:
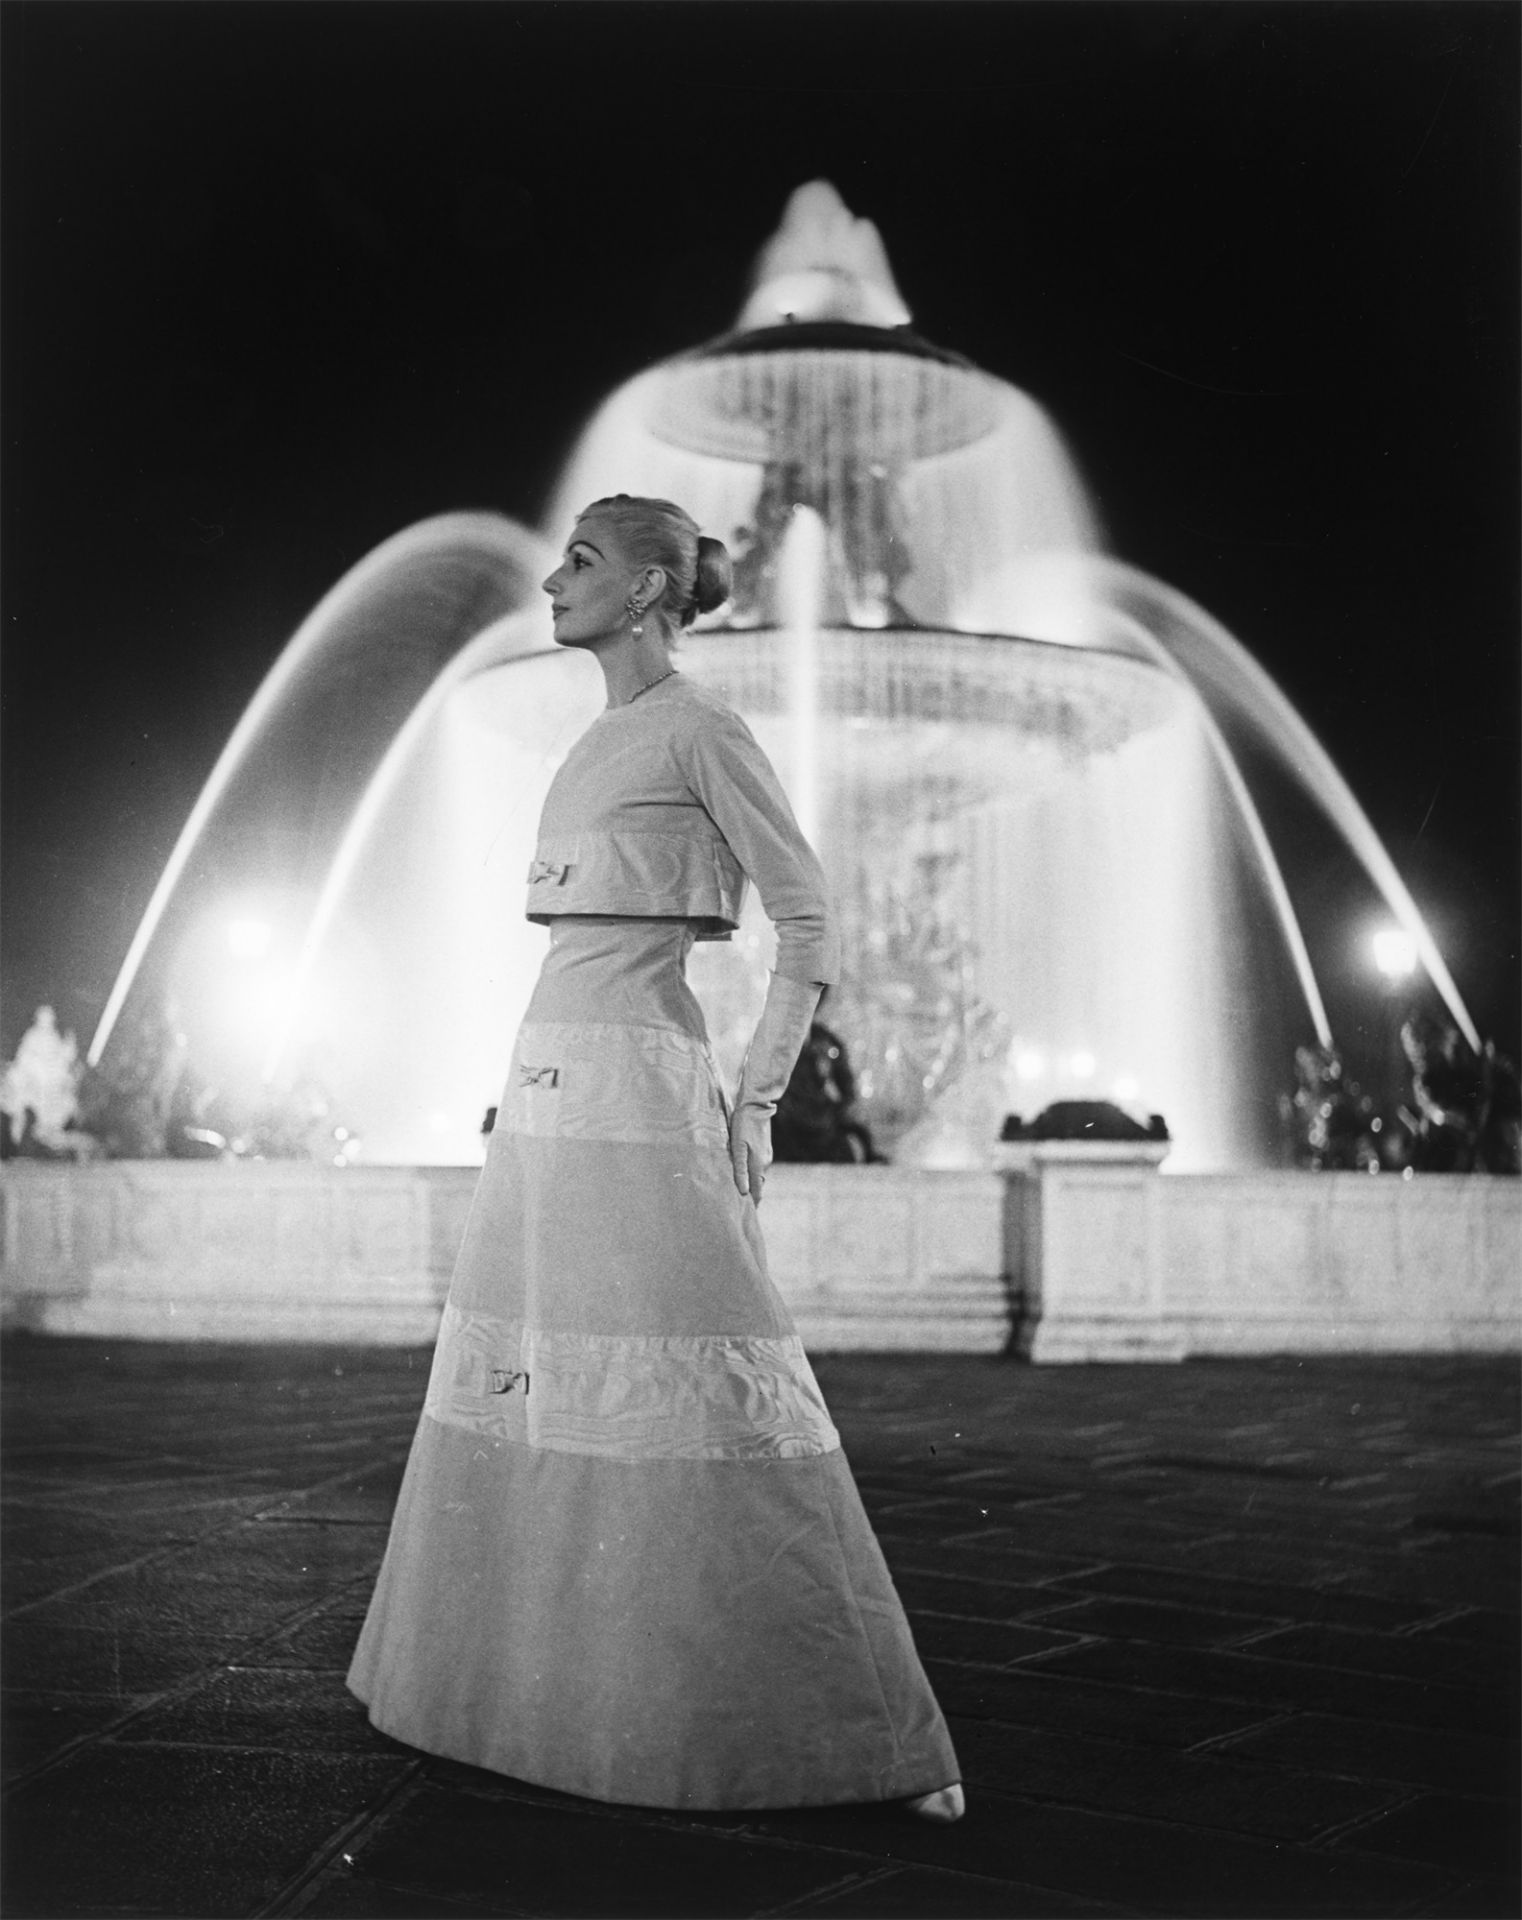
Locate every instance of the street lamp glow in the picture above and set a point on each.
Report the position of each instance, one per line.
(1029, 1065)
(1394, 953)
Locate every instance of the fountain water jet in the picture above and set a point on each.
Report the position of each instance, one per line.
(302, 754)
(801, 564)
(1015, 754)
(1222, 668)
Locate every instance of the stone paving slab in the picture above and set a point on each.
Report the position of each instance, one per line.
(1235, 1637)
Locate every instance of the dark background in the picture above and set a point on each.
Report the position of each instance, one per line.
(282, 278)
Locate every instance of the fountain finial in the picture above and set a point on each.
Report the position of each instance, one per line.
(823, 263)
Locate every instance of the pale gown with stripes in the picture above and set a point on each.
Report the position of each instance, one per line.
(629, 1559)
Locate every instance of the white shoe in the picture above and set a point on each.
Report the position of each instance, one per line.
(945, 1804)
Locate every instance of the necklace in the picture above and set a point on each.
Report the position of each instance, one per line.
(648, 685)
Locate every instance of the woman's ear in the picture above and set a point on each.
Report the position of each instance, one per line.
(652, 584)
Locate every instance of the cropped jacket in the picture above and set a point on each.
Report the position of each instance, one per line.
(662, 810)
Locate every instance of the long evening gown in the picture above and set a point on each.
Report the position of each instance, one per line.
(628, 1559)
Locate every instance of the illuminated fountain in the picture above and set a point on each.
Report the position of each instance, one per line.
(1018, 757)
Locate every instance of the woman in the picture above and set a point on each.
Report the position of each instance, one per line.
(628, 1559)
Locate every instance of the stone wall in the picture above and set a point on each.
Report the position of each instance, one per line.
(1114, 1262)
(1343, 1262)
(1067, 1252)
(159, 1249)
(174, 1250)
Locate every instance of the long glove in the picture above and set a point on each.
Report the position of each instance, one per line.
(774, 1048)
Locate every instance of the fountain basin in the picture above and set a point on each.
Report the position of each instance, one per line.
(1069, 1252)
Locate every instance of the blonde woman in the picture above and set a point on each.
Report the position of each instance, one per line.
(629, 1560)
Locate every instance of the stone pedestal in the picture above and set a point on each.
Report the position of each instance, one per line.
(1085, 1251)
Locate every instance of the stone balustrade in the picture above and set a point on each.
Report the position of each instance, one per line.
(1065, 1252)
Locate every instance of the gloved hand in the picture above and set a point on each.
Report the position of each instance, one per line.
(774, 1049)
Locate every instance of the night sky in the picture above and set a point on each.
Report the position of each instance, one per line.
(281, 279)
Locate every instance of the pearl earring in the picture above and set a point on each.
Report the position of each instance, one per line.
(636, 615)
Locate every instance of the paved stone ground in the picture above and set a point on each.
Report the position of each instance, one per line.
(1226, 1638)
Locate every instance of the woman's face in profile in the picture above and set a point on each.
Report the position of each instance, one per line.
(589, 589)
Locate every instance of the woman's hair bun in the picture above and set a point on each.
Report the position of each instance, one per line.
(715, 576)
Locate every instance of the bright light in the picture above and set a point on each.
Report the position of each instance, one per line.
(1126, 1088)
(249, 939)
(258, 1007)
(1394, 953)
(1082, 1065)
(1029, 1065)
